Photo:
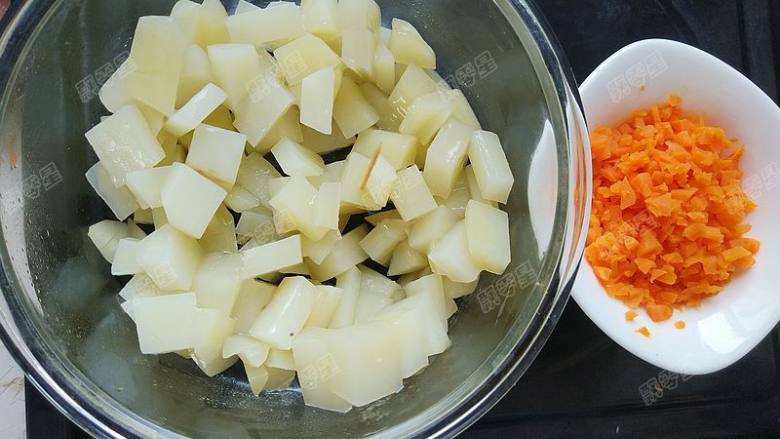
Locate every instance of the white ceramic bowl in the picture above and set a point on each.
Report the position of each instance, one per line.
(729, 325)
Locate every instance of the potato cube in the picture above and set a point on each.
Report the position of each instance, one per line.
(220, 235)
(244, 6)
(399, 150)
(491, 168)
(254, 175)
(376, 293)
(382, 240)
(381, 179)
(264, 26)
(170, 258)
(284, 317)
(354, 176)
(349, 283)
(146, 185)
(463, 112)
(295, 160)
(455, 290)
(357, 51)
(346, 254)
(124, 144)
(475, 192)
(217, 153)
(251, 351)
(326, 206)
(212, 29)
(135, 232)
(409, 47)
(271, 257)
(323, 143)
(281, 358)
(318, 93)
(190, 200)
(304, 56)
(426, 116)
(257, 377)
(165, 323)
(377, 217)
(450, 256)
(383, 68)
(218, 281)
(253, 296)
(412, 84)
(320, 17)
(153, 118)
(406, 260)
(185, 119)
(316, 368)
(360, 14)
(446, 158)
(213, 327)
(257, 225)
(487, 232)
(352, 112)
(431, 287)
(295, 204)
(381, 104)
(140, 285)
(195, 74)
(261, 109)
(125, 258)
(317, 251)
(240, 200)
(159, 218)
(325, 304)
(234, 67)
(431, 227)
(287, 126)
(459, 197)
(411, 195)
(119, 199)
(115, 92)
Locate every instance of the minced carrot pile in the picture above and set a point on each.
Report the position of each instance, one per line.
(667, 227)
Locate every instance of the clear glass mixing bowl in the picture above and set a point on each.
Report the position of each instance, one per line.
(58, 307)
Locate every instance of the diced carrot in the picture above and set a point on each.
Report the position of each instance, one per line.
(659, 313)
(631, 315)
(644, 331)
(679, 324)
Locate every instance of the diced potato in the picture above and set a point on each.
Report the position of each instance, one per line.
(125, 258)
(430, 228)
(406, 260)
(174, 152)
(376, 293)
(195, 74)
(450, 256)
(463, 112)
(459, 197)
(380, 182)
(146, 185)
(432, 288)
(261, 109)
(119, 199)
(317, 251)
(409, 47)
(491, 168)
(264, 26)
(124, 144)
(301, 269)
(135, 232)
(446, 158)
(331, 174)
(212, 327)
(426, 116)
(284, 317)
(212, 29)
(455, 290)
(412, 84)
(187, 15)
(326, 206)
(253, 296)
(411, 195)
(140, 285)
(487, 232)
(377, 217)
(257, 377)
(354, 176)
(304, 56)
(346, 254)
(257, 225)
(279, 379)
(325, 305)
(281, 359)
(157, 53)
(295, 160)
(271, 257)
(352, 112)
(185, 119)
(287, 126)
(153, 118)
(220, 235)
(235, 67)
(475, 192)
(383, 74)
(240, 200)
(190, 200)
(159, 218)
(323, 143)
(217, 153)
(399, 150)
(254, 175)
(251, 351)
(357, 51)
(218, 281)
(115, 92)
(320, 17)
(318, 94)
(360, 14)
(380, 103)
(165, 323)
(295, 204)
(382, 240)
(244, 6)
(170, 258)
(316, 368)
(106, 236)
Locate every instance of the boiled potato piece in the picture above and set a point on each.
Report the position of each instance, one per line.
(146, 185)
(352, 112)
(244, 6)
(217, 153)
(359, 14)
(382, 240)
(383, 68)
(346, 254)
(399, 150)
(125, 258)
(287, 126)
(405, 259)
(190, 200)
(212, 327)
(115, 92)
(154, 118)
(263, 26)
(358, 46)
(285, 316)
(170, 258)
(326, 206)
(279, 379)
(487, 232)
(377, 217)
(475, 193)
(271, 257)
(261, 109)
(240, 200)
(254, 175)
(446, 158)
(455, 290)
(258, 225)
(412, 84)
(140, 285)
(124, 143)
(295, 160)
(234, 67)
(459, 197)
(491, 168)
(257, 377)
(135, 232)
(432, 286)
(295, 204)
(409, 47)
(349, 283)
(195, 74)
(323, 143)
(205, 102)
(159, 217)
(411, 195)
(165, 323)
(381, 104)
(218, 281)
(325, 305)
(318, 94)
(281, 359)
(304, 56)
(354, 176)
(381, 178)
(376, 293)
(251, 351)
(119, 199)
(317, 251)
(426, 116)
(450, 256)
(212, 29)
(463, 112)
(430, 228)
(220, 235)
(320, 17)
(316, 368)
(252, 297)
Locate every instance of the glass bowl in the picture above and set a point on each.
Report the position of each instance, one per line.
(59, 311)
